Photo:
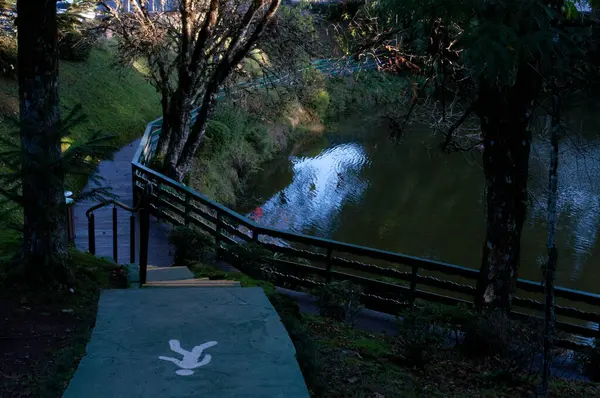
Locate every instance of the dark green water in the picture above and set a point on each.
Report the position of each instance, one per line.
(355, 185)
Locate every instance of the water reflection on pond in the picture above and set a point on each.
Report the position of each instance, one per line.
(356, 186)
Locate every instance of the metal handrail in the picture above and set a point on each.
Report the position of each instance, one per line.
(141, 207)
(105, 203)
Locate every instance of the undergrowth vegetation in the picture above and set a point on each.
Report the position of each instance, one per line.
(250, 128)
(54, 322)
(435, 350)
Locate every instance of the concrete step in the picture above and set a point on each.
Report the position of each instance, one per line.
(198, 282)
(156, 274)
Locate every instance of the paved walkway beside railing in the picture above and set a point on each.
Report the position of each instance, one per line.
(116, 173)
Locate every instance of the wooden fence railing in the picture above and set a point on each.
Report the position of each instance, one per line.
(390, 281)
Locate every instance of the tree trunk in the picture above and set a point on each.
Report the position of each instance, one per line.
(209, 102)
(44, 236)
(550, 271)
(165, 135)
(504, 115)
(179, 123)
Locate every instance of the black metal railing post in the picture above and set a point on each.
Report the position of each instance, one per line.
(219, 231)
(132, 238)
(329, 263)
(186, 217)
(144, 237)
(115, 237)
(92, 234)
(255, 235)
(413, 284)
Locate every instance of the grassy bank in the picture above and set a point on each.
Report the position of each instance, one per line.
(116, 101)
(249, 129)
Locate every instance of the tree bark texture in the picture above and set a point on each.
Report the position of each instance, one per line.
(505, 114)
(44, 235)
(550, 271)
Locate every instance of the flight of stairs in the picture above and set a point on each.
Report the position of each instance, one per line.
(177, 277)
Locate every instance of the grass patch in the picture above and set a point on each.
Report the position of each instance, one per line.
(44, 333)
(115, 100)
(355, 363)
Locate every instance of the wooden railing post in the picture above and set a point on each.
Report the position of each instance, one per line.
(115, 237)
(92, 234)
(144, 236)
(329, 263)
(413, 284)
(255, 235)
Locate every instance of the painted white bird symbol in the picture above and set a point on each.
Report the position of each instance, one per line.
(190, 358)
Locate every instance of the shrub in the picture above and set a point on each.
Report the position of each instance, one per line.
(232, 116)
(320, 103)
(219, 137)
(421, 334)
(251, 258)
(8, 56)
(514, 345)
(191, 245)
(258, 136)
(76, 46)
(589, 362)
(244, 159)
(339, 300)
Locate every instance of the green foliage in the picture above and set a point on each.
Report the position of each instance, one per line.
(251, 258)
(232, 116)
(339, 300)
(191, 245)
(218, 137)
(77, 45)
(422, 334)
(116, 102)
(8, 56)
(258, 136)
(362, 92)
(512, 344)
(320, 103)
(589, 362)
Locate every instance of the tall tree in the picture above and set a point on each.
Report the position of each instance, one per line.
(42, 179)
(190, 51)
(550, 268)
(494, 56)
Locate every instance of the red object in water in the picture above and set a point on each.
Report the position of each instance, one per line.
(257, 213)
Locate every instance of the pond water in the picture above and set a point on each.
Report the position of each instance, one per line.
(356, 185)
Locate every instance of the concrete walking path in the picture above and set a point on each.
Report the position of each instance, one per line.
(187, 342)
(117, 175)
